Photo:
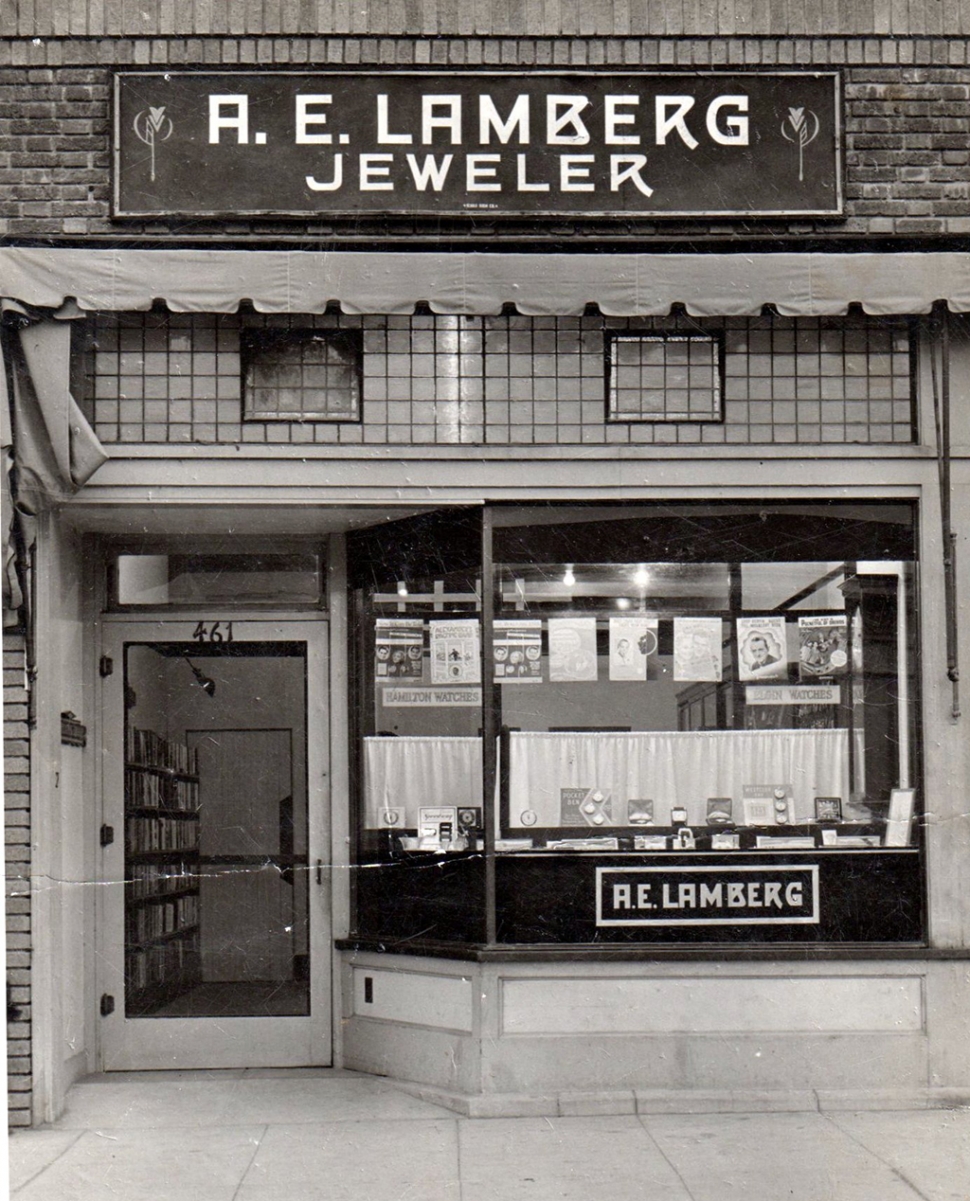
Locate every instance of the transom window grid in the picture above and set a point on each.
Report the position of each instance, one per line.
(301, 374)
(505, 380)
(664, 377)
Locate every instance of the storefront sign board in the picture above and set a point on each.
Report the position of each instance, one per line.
(467, 143)
(714, 895)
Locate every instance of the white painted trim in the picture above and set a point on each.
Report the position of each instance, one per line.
(339, 773)
(208, 1042)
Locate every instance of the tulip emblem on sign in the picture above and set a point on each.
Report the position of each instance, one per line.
(801, 128)
(152, 126)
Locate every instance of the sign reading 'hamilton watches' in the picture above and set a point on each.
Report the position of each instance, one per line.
(428, 144)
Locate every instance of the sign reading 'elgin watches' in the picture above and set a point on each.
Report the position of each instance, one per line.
(464, 143)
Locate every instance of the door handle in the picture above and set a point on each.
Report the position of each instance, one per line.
(319, 873)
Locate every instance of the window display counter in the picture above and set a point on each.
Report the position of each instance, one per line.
(820, 896)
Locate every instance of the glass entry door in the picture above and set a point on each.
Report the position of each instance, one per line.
(216, 918)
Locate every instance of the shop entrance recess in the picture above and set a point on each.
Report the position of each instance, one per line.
(215, 921)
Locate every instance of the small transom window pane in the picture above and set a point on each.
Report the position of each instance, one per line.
(664, 377)
(225, 579)
(305, 374)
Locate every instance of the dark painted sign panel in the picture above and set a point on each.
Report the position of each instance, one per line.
(431, 144)
(712, 895)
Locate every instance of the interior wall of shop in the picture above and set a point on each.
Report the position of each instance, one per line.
(243, 911)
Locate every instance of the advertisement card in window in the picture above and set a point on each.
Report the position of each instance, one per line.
(572, 649)
(697, 648)
(762, 649)
(455, 654)
(398, 648)
(633, 648)
(517, 651)
(823, 646)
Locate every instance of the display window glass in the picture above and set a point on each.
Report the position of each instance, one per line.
(418, 745)
(664, 708)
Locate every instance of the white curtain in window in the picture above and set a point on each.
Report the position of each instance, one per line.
(669, 768)
(675, 768)
(415, 771)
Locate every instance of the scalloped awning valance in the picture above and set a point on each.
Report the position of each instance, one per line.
(283, 281)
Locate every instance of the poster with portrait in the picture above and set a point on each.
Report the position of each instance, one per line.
(398, 648)
(697, 648)
(633, 648)
(823, 646)
(455, 652)
(762, 648)
(517, 651)
(572, 649)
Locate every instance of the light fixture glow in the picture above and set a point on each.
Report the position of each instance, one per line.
(402, 588)
(568, 578)
(623, 602)
(641, 577)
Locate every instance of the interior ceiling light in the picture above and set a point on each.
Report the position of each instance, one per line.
(568, 578)
(402, 588)
(207, 685)
(641, 577)
(623, 602)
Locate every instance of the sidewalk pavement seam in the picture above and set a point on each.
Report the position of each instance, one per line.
(892, 1167)
(461, 1187)
(663, 1154)
(232, 1125)
(38, 1174)
(248, 1167)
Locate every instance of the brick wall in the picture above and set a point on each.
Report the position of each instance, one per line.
(607, 18)
(17, 803)
(907, 123)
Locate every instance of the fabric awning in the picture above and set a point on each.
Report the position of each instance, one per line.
(277, 281)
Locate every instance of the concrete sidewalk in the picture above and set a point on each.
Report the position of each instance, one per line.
(321, 1135)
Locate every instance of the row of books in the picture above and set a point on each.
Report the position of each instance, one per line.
(148, 748)
(152, 921)
(152, 879)
(160, 834)
(143, 790)
(157, 967)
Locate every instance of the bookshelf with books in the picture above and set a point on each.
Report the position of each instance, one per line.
(162, 803)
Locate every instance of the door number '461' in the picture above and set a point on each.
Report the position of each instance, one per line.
(213, 631)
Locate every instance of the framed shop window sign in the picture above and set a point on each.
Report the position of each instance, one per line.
(301, 374)
(664, 377)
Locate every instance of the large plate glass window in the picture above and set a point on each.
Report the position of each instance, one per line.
(419, 748)
(727, 688)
